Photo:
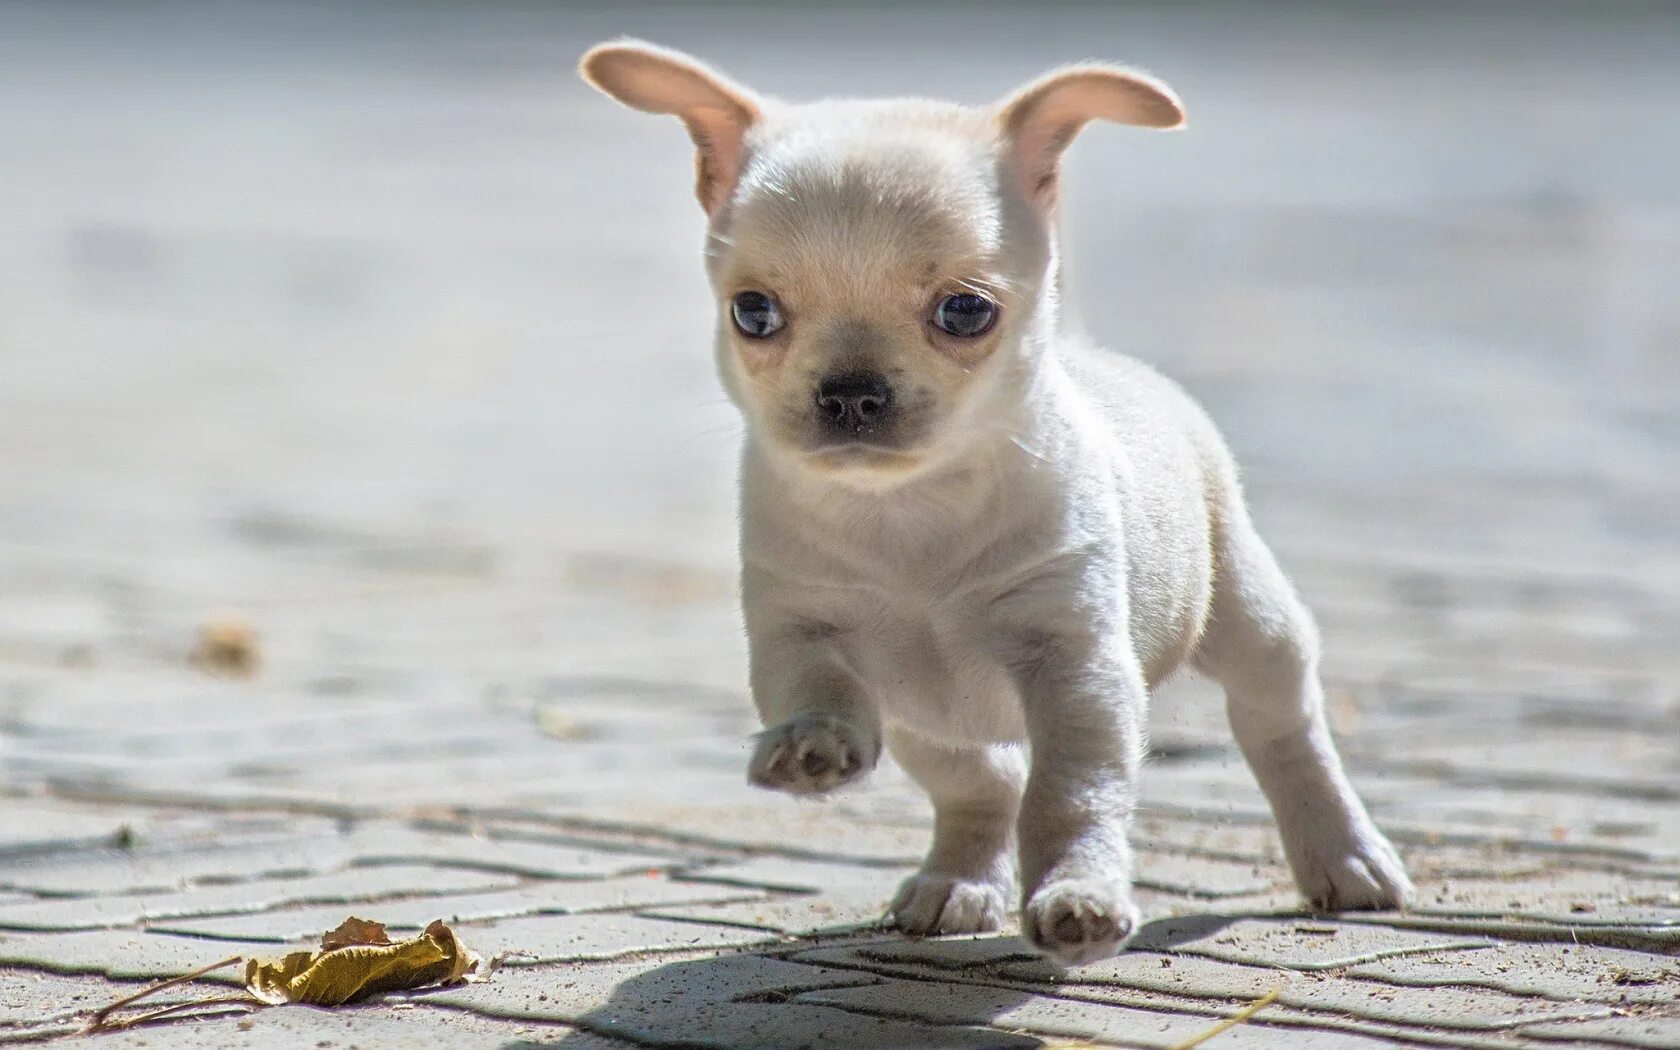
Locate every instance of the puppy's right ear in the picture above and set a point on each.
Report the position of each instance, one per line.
(716, 111)
(1040, 120)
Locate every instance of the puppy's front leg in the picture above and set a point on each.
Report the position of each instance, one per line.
(822, 728)
(1083, 696)
(964, 885)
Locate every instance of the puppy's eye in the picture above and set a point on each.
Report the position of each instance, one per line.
(965, 316)
(756, 315)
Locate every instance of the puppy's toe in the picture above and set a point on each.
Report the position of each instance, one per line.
(932, 903)
(811, 755)
(1076, 921)
(1355, 871)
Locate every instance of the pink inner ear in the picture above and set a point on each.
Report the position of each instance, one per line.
(718, 154)
(658, 80)
(1042, 119)
(716, 112)
(1038, 153)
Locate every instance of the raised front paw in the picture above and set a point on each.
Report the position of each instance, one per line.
(1076, 921)
(1348, 868)
(812, 755)
(932, 902)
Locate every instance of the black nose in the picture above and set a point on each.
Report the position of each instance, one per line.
(855, 401)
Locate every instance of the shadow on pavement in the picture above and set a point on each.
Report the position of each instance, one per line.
(752, 1000)
(762, 1001)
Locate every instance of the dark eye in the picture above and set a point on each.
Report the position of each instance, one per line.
(756, 315)
(965, 316)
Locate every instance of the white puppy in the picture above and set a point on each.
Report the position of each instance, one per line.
(963, 534)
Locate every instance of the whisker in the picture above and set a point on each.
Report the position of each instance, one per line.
(992, 287)
(732, 428)
(1019, 442)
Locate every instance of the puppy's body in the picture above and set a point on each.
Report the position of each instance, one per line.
(908, 582)
(965, 536)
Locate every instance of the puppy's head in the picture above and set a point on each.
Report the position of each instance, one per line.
(882, 269)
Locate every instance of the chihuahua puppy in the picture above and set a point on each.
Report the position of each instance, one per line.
(965, 536)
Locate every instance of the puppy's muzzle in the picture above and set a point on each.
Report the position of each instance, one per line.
(854, 404)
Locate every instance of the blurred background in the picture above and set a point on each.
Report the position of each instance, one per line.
(372, 324)
(391, 262)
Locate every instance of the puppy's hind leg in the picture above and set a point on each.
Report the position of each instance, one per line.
(1261, 645)
(965, 883)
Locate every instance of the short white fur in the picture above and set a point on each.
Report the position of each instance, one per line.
(1056, 530)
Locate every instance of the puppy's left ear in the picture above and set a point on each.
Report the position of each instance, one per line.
(716, 111)
(1040, 120)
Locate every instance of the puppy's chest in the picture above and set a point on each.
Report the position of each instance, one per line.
(931, 670)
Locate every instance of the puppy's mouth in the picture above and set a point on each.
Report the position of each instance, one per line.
(859, 462)
(891, 443)
(858, 452)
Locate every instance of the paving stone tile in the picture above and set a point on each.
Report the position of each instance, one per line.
(1204, 877)
(173, 863)
(163, 871)
(1629, 762)
(546, 860)
(1171, 833)
(1657, 1031)
(35, 1033)
(1284, 902)
(799, 876)
(148, 869)
(1209, 784)
(1568, 897)
(1564, 972)
(953, 953)
(1662, 940)
(30, 826)
(558, 897)
(1442, 864)
(773, 826)
(89, 913)
(117, 954)
(832, 912)
(1302, 944)
(1650, 826)
(31, 997)
(563, 938)
(293, 737)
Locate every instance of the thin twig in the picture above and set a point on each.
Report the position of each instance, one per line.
(250, 1001)
(1231, 1022)
(98, 1019)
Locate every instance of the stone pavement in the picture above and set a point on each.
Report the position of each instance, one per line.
(367, 325)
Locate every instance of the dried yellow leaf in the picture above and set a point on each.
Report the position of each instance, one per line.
(354, 931)
(358, 970)
(355, 961)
